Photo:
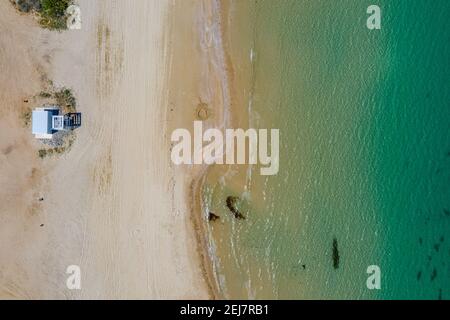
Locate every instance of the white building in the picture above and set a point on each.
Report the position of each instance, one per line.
(46, 122)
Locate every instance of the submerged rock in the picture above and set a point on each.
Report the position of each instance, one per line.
(239, 216)
(336, 256)
(213, 217)
(231, 205)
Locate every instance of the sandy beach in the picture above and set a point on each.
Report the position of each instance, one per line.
(113, 205)
(205, 92)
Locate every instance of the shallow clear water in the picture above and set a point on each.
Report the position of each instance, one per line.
(365, 153)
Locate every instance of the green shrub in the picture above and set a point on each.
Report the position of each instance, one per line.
(53, 14)
(65, 99)
(42, 153)
(26, 117)
(44, 94)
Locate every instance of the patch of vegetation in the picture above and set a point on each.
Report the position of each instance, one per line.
(42, 153)
(26, 117)
(66, 100)
(63, 98)
(45, 94)
(66, 144)
(52, 13)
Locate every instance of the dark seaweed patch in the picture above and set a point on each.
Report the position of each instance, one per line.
(419, 275)
(436, 247)
(433, 274)
(336, 256)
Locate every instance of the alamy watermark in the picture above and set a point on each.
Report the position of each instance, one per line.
(374, 279)
(374, 20)
(230, 147)
(73, 282)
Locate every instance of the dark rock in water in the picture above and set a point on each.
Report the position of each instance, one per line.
(231, 204)
(239, 216)
(447, 212)
(441, 239)
(433, 274)
(336, 256)
(213, 217)
(420, 241)
(304, 266)
(436, 247)
(419, 275)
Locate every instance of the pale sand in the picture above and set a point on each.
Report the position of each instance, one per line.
(113, 205)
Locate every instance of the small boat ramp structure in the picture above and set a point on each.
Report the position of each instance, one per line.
(48, 121)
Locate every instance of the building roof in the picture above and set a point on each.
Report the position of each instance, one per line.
(42, 122)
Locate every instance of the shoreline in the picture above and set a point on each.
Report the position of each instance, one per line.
(190, 92)
(209, 80)
(185, 97)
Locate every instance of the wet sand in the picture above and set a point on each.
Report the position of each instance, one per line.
(210, 77)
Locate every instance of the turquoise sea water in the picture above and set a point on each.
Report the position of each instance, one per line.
(365, 154)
